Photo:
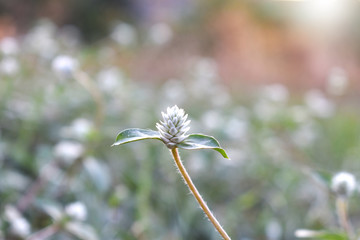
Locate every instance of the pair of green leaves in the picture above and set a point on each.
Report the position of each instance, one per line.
(193, 141)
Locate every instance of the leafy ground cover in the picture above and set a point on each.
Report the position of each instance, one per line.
(61, 179)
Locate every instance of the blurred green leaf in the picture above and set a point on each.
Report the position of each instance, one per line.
(199, 141)
(322, 176)
(51, 208)
(99, 173)
(135, 134)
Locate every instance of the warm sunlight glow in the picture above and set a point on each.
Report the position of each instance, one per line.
(325, 14)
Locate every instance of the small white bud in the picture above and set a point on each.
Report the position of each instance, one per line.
(68, 151)
(343, 184)
(174, 126)
(76, 210)
(305, 233)
(64, 66)
(18, 224)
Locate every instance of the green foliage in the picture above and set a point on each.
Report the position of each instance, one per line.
(193, 141)
(54, 153)
(200, 141)
(135, 134)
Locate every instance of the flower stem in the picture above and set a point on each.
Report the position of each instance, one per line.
(341, 208)
(86, 82)
(197, 195)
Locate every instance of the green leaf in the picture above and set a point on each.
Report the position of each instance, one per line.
(200, 141)
(99, 173)
(135, 134)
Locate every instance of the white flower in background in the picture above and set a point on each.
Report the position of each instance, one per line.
(300, 114)
(205, 73)
(9, 46)
(212, 119)
(18, 224)
(68, 151)
(160, 33)
(110, 79)
(236, 128)
(77, 211)
(9, 66)
(205, 68)
(174, 126)
(80, 129)
(174, 91)
(20, 108)
(276, 93)
(273, 230)
(124, 34)
(343, 184)
(266, 110)
(318, 104)
(305, 233)
(65, 66)
(337, 81)
(305, 135)
(41, 39)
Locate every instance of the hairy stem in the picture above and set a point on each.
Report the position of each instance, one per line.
(341, 208)
(197, 195)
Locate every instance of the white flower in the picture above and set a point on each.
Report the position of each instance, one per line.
(343, 184)
(9, 46)
(173, 127)
(160, 33)
(80, 128)
(110, 79)
(9, 66)
(273, 230)
(76, 210)
(305, 233)
(276, 93)
(124, 34)
(318, 104)
(68, 151)
(337, 81)
(64, 66)
(18, 224)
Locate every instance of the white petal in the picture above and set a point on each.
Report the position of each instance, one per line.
(173, 131)
(170, 124)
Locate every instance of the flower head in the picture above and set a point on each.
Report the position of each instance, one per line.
(343, 184)
(174, 126)
(76, 210)
(64, 66)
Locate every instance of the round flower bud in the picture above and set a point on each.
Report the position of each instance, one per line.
(76, 210)
(174, 126)
(343, 184)
(64, 66)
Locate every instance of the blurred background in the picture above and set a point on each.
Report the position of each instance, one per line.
(276, 82)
